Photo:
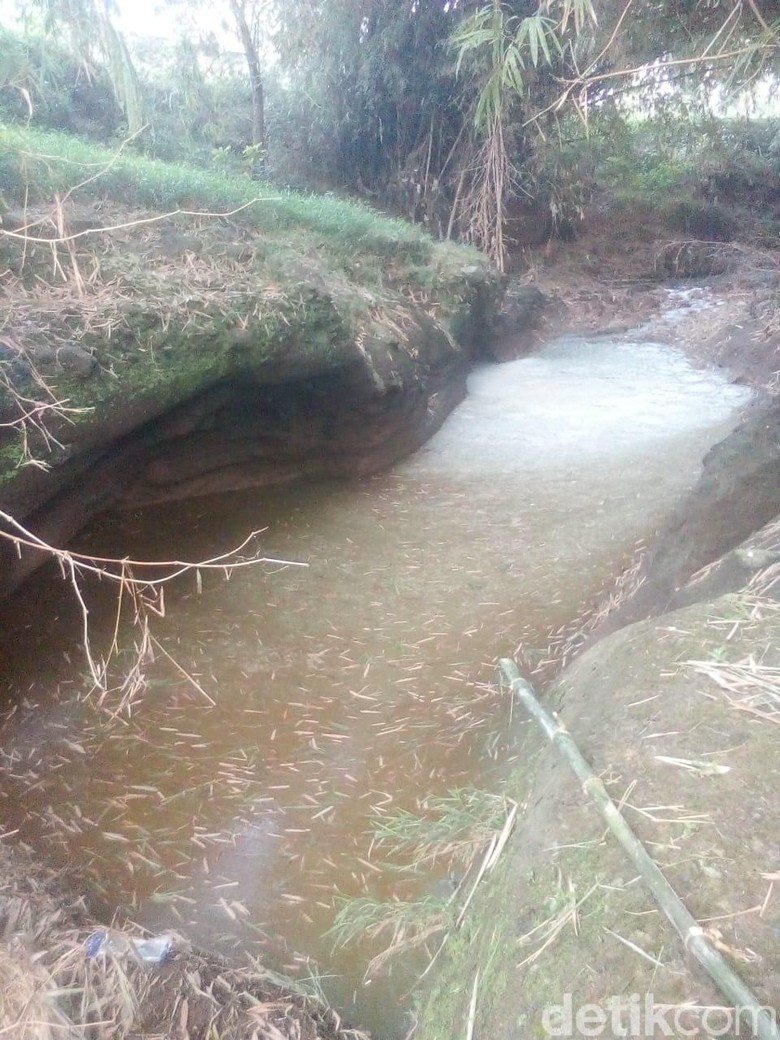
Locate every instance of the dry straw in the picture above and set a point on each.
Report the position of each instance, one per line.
(51, 990)
(690, 931)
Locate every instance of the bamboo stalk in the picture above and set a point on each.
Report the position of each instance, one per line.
(692, 934)
(473, 1008)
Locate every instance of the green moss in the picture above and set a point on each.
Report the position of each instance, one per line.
(10, 458)
(481, 945)
(179, 361)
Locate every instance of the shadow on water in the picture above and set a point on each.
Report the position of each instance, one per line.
(352, 688)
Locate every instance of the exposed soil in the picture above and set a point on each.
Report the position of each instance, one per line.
(615, 276)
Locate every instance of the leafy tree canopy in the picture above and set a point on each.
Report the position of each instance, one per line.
(451, 111)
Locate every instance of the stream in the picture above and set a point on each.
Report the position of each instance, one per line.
(352, 689)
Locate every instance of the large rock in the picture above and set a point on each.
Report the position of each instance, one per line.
(737, 494)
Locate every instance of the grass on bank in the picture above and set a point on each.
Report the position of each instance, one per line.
(194, 272)
(453, 828)
(37, 165)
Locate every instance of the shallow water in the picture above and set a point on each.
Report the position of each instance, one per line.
(359, 685)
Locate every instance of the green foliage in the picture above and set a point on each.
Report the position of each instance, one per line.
(451, 827)
(90, 28)
(694, 218)
(14, 65)
(36, 165)
(506, 44)
(41, 81)
(397, 100)
(361, 917)
(365, 83)
(506, 53)
(254, 153)
(670, 158)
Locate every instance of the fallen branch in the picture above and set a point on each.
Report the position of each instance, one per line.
(226, 562)
(690, 931)
(145, 594)
(156, 219)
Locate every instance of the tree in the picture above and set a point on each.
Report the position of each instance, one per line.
(248, 15)
(529, 68)
(504, 52)
(91, 29)
(250, 21)
(372, 87)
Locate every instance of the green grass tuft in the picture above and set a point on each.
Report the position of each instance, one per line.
(451, 828)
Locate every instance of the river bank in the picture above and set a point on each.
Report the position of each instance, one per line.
(172, 333)
(680, 659)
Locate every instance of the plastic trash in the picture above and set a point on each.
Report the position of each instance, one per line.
(153, 950)
(156, 949)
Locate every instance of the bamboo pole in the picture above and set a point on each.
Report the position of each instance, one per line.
(762, 1022)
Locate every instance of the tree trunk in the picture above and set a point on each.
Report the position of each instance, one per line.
(255, 75)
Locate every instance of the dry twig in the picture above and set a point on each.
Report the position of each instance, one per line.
(145, 593)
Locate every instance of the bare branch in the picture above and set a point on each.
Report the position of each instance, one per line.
(33, 411)
(99, 565)
(146, 594)
(23, 236)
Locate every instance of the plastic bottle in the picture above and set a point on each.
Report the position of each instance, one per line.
(153, 950)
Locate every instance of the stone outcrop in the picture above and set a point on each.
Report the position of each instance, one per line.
(737, 493)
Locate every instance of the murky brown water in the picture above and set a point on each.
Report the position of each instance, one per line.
(359, 685)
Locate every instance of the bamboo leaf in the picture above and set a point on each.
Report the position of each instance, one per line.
(513, 66)
(474, 41)
(543, 42)
(533, 39)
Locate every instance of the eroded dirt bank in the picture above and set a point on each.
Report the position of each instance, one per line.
(190, 368)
